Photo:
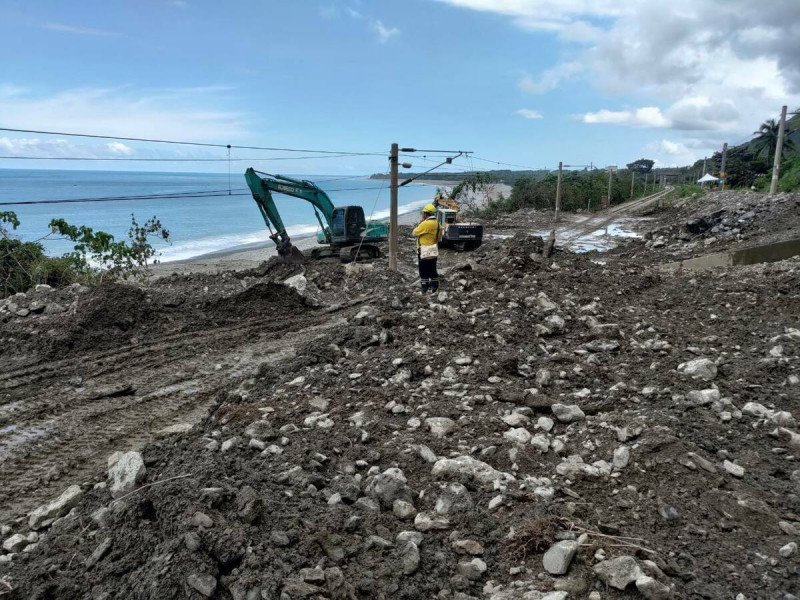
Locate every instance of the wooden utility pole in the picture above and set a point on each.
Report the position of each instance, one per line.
(722, 167)
(393, 209)
(633, 178)
(558, 191)
(776, 167)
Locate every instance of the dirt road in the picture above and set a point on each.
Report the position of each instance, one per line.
(59, 420)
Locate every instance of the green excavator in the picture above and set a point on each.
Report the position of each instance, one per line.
(345, 231)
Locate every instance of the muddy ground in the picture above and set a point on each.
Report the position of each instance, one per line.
(583, 426)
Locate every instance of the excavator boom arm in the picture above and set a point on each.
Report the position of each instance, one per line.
(262, 188)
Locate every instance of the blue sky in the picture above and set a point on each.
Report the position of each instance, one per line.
(528, 82)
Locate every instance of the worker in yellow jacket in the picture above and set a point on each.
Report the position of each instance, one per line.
(428, 234)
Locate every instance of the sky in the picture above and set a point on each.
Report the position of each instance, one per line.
(523, 82)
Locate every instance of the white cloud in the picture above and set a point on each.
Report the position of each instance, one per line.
(119, 148)
(670, 152)
(77, 30)
(648, 116)
(165, 114)
(694, 113)
(704, 64)
(566, 18)
(526, 113)
(384, 33)
(550, 79)
(381, 31)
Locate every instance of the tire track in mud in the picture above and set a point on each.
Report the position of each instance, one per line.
(58, 441)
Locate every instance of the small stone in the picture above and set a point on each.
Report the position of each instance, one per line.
(541, 442)
(473, 569)
(429, 521)
(467, 466)
(515, 419)
(546, 424)
(618, 572)
(559, 556)
(733, 469)
(568, 413)
(454, 499)
(126, 473)
(409, 536)
(257, 444)
(440, 426)
(279, 538)
(495, 502)
(471, 547)
(427, 454)
(403, 509)
(203, 583)
(192, 541)
(700, 367)
(622, 456)
(15, 543)
(99, 553)
(45, 515)
(202, 520)
(519, 435)
(389, 486)
(652, 589)
(788, 550)
(409, 555)
(315, 575)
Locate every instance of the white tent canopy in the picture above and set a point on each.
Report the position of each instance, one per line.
(707, 177)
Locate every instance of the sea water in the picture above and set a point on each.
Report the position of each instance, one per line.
(197, 225)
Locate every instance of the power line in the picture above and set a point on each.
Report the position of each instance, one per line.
(184, 143)
(131, 159)
(170, 196)
(122, 198)
(497, 162)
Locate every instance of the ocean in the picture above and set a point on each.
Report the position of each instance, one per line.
(197, 225)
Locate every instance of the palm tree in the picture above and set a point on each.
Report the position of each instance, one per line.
(767, 138)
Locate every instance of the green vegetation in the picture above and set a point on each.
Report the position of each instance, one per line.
(641, 166)
(500, 176)
(766, 140)
(96, 255)
(580, 190)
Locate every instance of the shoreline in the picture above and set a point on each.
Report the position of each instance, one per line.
(246, 256)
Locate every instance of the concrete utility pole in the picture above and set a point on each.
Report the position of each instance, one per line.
(393, 209)
(722, 167)
(704, 165)
(633, 178)
(558, 191)
(776, 167)
(610, 175)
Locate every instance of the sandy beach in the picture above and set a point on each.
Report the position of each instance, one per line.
(252, 255)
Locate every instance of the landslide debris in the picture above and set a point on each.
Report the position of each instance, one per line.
(540, 429)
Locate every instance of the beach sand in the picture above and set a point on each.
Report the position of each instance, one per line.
(252, 255)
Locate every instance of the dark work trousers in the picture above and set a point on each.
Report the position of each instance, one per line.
(428, 276)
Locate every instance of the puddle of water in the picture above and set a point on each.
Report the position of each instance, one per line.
(600, 239)
(747, 256)
(19, 437)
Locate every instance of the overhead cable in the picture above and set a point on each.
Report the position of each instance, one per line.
(185, 143)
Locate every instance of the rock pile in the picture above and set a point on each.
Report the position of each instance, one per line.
(539, 430)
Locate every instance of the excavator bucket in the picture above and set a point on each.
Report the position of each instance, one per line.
(292, 256)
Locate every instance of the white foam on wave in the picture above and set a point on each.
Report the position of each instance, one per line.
(198, 247)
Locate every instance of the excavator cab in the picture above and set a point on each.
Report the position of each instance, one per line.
(347, 225)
